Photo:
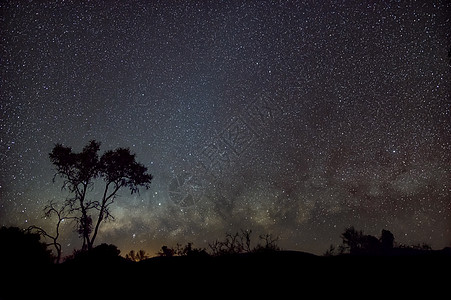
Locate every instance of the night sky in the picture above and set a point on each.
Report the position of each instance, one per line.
(294, 118)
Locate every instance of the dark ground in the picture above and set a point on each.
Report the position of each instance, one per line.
(277, 274)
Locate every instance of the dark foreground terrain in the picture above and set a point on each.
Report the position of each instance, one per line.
(275, 274)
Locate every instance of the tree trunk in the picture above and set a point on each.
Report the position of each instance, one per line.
(85, 224)
(105, 199)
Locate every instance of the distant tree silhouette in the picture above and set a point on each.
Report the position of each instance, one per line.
(387, 240)
(352, 239)
(105, 251)
(180, 250)
(369, 245)
(419, 246)
(358, 243)
(355, 242)
(166, 251)
(137, 256)
(330, 251)
(240, 242)
(20, 247)
(102, 254)
(189, 250)
(270, 243)
(79, 171)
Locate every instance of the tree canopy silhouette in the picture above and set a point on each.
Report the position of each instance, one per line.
(358, 243)
(79, 171)
(137, 256)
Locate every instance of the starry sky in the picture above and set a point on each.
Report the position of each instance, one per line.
(294, 118)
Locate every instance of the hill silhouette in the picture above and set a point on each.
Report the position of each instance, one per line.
(102, 272)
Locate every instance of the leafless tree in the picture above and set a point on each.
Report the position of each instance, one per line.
(240, 242)
(62, 214)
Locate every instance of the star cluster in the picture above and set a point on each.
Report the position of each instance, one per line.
(294, 118)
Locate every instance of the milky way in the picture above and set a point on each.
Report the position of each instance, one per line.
(285, 117)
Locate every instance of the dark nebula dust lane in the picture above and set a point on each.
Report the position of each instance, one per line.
(293, 118)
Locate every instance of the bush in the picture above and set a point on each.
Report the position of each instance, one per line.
(18, 247)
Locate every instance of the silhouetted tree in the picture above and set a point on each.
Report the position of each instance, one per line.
(240, 242)
(369, 245)
(352, 239)
(358, 243)
(387, 240)
(180, 250)
(105, 251)
(118, 168)
(189, 250)
(141, 255)
(232, 244)
(131, 255)
(166, 251)
(330, 251)
(103, 254)
(420, 246)
(137, 256)
(62, 214)
(270, 243)
(20, 247)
